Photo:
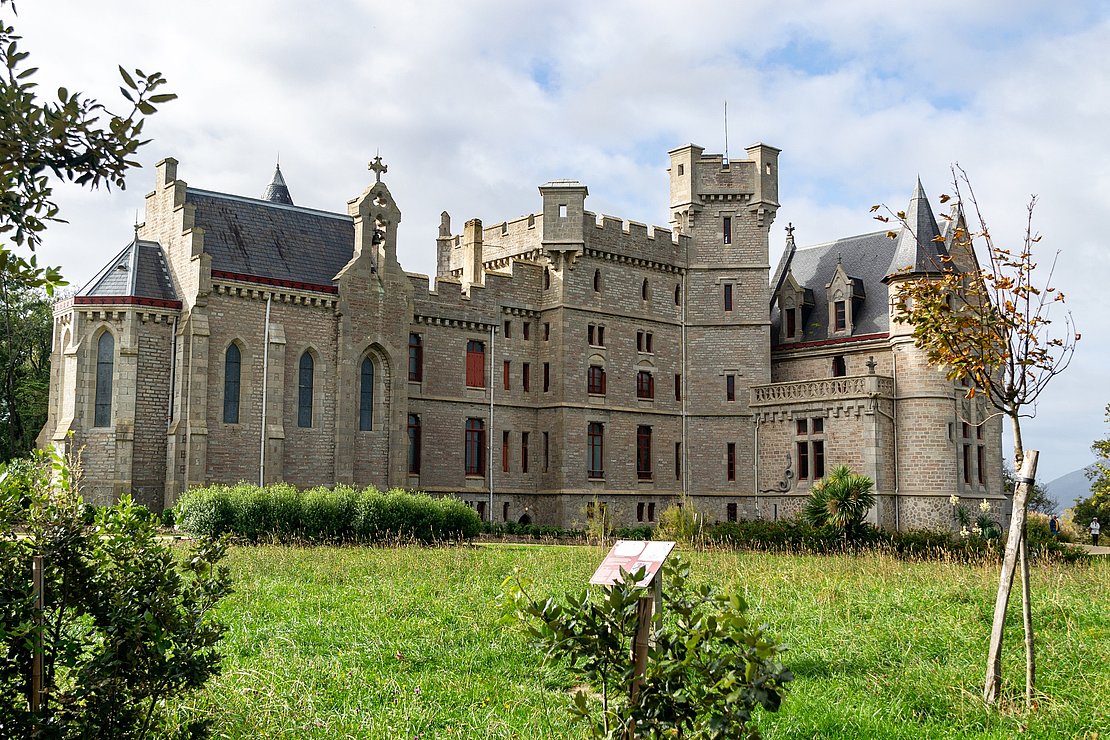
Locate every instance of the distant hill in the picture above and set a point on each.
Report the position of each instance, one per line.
(1066, 489)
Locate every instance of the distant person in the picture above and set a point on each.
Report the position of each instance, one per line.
(1094, 532)
(1054, 526)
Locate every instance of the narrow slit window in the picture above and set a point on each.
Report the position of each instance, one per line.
(305, 387)
(366, 396)
(233, 360)
(105, 368)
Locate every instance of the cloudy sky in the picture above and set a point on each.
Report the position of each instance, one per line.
(474, 104)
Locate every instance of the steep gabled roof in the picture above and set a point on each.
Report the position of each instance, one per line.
(263, 239)
(138, 272)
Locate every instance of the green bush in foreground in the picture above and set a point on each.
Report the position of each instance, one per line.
(282, 513)
(707, 671)
(123, 628)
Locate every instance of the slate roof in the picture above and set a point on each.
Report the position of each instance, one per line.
(275, 241)
(864, 258)
(139, 271)
(867, 259)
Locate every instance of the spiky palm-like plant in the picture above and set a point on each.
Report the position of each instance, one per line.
(840, 500)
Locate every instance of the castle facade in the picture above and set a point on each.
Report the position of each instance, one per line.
(560, 362)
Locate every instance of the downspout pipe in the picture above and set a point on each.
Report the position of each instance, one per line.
(265, 377)
(489, 437)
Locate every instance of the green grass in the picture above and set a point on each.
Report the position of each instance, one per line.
(401, 643)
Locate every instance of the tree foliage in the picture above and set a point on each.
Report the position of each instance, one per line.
(25, 327)
(707, 672)
(123, 627)
(74, 138)
(840, 500)
(1097, 505)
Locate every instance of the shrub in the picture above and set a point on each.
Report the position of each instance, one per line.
(128, 628)
(840, 500)
(343, 514)
(681, 522)
(707, 671)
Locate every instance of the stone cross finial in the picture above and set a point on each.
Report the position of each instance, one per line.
(377, 168)
(871, 364)
(790, 230)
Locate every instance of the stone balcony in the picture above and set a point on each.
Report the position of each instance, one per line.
(825, 389)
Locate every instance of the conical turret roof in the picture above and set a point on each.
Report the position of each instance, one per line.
(277, 191)
(918, 249)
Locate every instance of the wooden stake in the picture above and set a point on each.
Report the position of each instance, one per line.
(36, 647)
(993, 684)
(1027, 621)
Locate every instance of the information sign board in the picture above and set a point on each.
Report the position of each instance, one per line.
(631, 555)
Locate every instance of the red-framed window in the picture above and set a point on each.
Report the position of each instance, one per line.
(505, 374)
(526, 376)
(791, 322)
(840, 316)
(730, 387)
(505, 451)
(475, 452)
(645, 385)
(730, 461)
(475, 364)
(595, 380)
(416, 358)
(643, 453)
(839, 366)
(595, 449)
(524, 452)
(414, 444)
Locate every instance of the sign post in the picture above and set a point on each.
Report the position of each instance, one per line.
(629, 556)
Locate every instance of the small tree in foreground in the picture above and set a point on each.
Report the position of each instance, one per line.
(992, 328)
(840, 500)
(707, 671)
(124, 626)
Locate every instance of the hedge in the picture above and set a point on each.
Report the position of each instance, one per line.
(793, 535)
(283, 513)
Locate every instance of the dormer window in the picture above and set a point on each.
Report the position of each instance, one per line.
(795, 306)
(846, 297)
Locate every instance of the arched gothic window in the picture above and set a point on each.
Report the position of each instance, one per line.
(105, 366)
(304, 391)
(366, 397)
(233, 361)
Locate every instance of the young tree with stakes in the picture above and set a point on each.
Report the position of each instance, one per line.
(992, 328)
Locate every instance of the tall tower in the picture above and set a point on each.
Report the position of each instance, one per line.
(727, 208)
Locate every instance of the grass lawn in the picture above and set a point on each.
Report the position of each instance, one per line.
(401, 643)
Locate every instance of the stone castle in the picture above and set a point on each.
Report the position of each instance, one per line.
(561, 361)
